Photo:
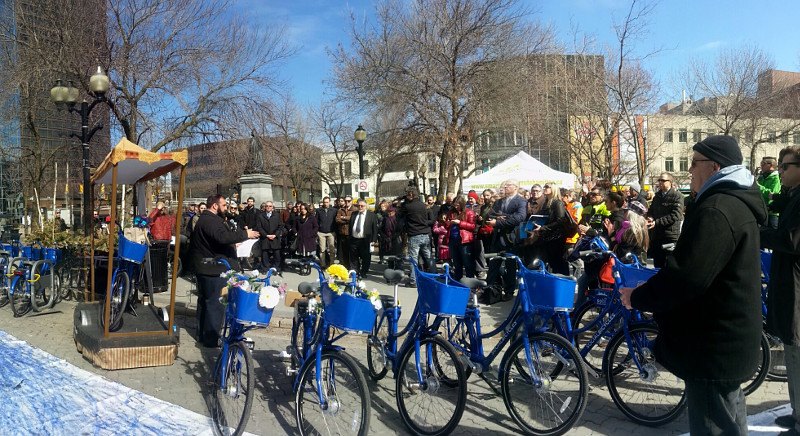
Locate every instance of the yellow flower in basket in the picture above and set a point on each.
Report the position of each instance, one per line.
(338, 271)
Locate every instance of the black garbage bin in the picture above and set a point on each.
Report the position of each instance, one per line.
(100, 275)
(158, 265)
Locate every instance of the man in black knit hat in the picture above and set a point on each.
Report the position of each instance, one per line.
(708, 308)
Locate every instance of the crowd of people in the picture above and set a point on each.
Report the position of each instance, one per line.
(725, 214)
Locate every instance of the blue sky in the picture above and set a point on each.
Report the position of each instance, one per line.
(683, 29)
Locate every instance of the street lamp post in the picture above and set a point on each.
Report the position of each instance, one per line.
(60, 94)
(360, 136)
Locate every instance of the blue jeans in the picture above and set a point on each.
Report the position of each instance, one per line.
(420, 245)
(462, 259)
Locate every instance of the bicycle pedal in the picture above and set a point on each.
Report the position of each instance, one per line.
(290, 371)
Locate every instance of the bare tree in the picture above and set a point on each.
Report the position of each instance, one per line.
(178, 65)
(426, 56)
(39, 43)
(331, 124)
(735, 103)
(631, 87)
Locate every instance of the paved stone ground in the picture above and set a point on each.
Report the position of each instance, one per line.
(184, 382)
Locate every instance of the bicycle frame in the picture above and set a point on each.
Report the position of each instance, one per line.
(416, 329)
(612, 309)
(521, 315)
(234, 331)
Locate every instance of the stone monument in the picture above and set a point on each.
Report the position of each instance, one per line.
(255, 182)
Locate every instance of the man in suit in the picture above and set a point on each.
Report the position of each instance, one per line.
(506, 214)
(270, 229)
(363, 233)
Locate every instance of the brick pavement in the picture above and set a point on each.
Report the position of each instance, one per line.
(184, 383)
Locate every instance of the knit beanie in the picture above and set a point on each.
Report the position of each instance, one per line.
(722, 149)
(635, 186)
(474, 195)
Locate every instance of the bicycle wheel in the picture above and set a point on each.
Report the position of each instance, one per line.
(19, 296)
(460, 334)
(44, 290)
(551, 402)
(433, 405)
(4, 285)
(777, 367)
(232, 397)
(653, 397)
(63, 283)
(763, 368)
(376, 348)
(120, 288)
(585, 315)
(340, 404)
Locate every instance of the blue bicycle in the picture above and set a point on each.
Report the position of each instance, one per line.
(233, 379)
(330, 391)
(430, 381)
(32, 281)
(542, 378)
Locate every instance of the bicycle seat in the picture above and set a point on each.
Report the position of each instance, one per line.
(393, 258)
(5, 253)
(306, 289)
(394, 275)
(473, 283)
(293, 262)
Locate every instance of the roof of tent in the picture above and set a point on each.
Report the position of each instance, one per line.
(135, 164)
(523, 168)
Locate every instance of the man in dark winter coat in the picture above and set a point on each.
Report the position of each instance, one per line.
(664, 218)
(211, 239)
(708, 306)
(270, 228)
(783, 318)
(418, 219)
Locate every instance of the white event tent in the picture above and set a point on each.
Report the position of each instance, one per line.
(522, 167)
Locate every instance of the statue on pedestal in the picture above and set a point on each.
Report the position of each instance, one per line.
(256, 162)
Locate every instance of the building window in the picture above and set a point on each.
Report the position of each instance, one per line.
(432, 165)
(348, 169)
(366, 167)
(683, 136)
(668, 165)
(667, 135)
(785, 139)
(796, 138)
(696, 134)
(747, 162)
(771, 137)
(332, 169)
(683, 163)
(432, 186)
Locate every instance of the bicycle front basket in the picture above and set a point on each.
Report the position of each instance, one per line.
(440, 294)
(31, 253)
(243, 307)
(52, 254)
(633, 275)
(131, 251)
(347, 312)
(549, 290)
